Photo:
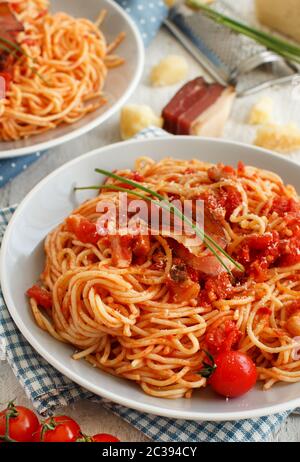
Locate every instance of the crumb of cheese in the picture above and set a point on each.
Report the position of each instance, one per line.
(169, 71)
(135, 118)
(261, 113)
(281, 138)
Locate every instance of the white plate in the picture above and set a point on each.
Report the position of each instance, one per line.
(51, 201)
(119, 86)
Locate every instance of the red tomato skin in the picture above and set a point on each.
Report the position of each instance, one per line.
(284, 205)
(22, 427)
(84, 230)
(235, 374)
(105, 438)
(241, 168)
(222, 338)
(15, 7)
(41, 296)
(66, 431)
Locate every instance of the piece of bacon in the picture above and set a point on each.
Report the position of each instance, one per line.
(186, 120)
(207, 263)
(182, 101)
(211, 122)
(198, 108)
(180, 284)
(124, 248)
(195, 254)
(121, 251)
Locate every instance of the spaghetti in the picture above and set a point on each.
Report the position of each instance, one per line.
(146, 308)
(59, 76)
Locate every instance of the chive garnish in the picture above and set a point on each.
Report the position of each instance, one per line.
(280, 46)
(209, 242)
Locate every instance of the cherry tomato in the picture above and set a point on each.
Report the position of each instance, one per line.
(22, 423)
(59, 429)
(234, 375)
(104, 438)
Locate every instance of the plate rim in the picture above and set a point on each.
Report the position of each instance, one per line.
(130, 403)
(46, 145)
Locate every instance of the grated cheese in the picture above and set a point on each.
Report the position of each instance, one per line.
(261, 112)
(169, 71)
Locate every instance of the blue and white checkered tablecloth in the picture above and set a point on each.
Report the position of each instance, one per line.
(48, 389)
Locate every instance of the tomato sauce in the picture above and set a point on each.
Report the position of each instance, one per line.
(222, 338)
(293, 308)
(84, 230)
(284, 205)
(223, 202)
(257, 253)
(264, 311)
(134, 176)
(41, 296)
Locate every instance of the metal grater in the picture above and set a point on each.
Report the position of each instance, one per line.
(230, 58)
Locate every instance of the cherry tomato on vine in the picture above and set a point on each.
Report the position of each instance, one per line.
(17, 423)
(231, 373)
(99, 438)
(58, 429)
(104, 438)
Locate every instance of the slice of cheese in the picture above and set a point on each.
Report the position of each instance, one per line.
(261, 113)
(281, 15)
(169, 71)
(281, 138)
(135, 118)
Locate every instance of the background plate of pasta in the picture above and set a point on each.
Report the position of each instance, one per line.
(207, 330)
(66, 66)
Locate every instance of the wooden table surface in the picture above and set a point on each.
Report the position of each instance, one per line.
(92, 417)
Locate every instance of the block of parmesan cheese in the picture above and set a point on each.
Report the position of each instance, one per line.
(280, 138)
(281, 15)
(135, 117)
(261, 112)
(170, 70)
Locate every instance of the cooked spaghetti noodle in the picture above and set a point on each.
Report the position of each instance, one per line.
(59, 76)
(147, 308)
